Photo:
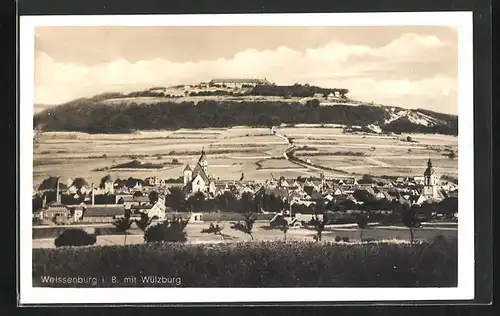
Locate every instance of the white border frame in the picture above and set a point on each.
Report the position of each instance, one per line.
(42, 295)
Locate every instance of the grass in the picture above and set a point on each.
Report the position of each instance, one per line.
(259, 264)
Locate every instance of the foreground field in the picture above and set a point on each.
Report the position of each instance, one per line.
(107, 234)
(232, 151)
(253, 264)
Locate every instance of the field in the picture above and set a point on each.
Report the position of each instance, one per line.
(238, 150)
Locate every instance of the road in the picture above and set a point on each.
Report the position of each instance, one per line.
(261, 232)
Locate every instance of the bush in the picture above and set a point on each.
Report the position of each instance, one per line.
(345, 239)
(74, 237)
(168, 231)
(253, 264)
(338, 238)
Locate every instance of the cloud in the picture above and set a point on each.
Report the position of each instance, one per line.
(390, 73)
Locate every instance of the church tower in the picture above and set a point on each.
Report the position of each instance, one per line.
(188, 174)
(430, 187)
(203, 162)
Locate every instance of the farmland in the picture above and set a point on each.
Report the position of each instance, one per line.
(256, 152)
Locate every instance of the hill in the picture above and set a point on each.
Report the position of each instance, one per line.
(130, 112)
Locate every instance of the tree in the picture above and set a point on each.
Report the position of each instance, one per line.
(137, 194)
(320, 206)
(362, 221)
(226, 201)
(123, 224)
(319, 226)
(153, 197)
(214, 229)
(408, 138)
(411, 221)
(144, 222)
(246, 203)
(246, 226)
(197, 201)
(366, 178)
(176, 199)
(281, 223)
(451, 155)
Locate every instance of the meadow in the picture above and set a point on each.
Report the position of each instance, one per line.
(237, 150)
(256, 264)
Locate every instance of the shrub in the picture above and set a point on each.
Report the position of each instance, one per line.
(246, 226)
(214, 229)
(345, 238)
(301, 264)
(74, 237)
(168, 231)
(338, 238)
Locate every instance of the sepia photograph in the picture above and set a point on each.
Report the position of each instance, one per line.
(248, 154)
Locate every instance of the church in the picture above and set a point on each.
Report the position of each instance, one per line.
(197, 179)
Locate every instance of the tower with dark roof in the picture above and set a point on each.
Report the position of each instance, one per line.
(203, 162)
(430, 187)
(188, 174)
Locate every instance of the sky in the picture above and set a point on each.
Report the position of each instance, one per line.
(412, 67)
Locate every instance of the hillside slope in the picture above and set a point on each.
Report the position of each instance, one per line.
(95, 115)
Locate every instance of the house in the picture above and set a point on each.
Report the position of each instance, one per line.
(56, 212)
(129, 200)
(419, 180)
(197, 179)
(152, 181)
(79, 186)
(77, 212)
(284, 184)
(348, 182)
(107, 185)
(154, 211)
(102, 213)
(337, 191)
(416, 199)
(196, 217)
(133, 184)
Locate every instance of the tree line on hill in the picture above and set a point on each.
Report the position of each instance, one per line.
(296, 90)
(90, 116)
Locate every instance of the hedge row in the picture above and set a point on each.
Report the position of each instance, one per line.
(258, 264)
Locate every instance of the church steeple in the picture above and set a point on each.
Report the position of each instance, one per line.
(430, 188)
(203, 161)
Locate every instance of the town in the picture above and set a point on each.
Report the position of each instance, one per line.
(75, 201)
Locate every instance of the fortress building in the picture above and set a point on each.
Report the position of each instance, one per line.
(238, 83)
(197, 179)
(430, 186)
